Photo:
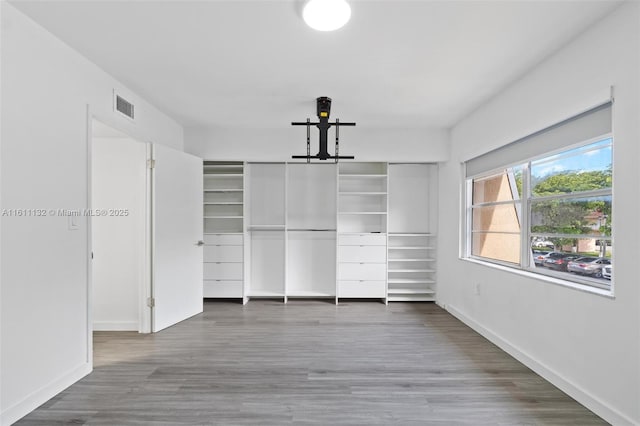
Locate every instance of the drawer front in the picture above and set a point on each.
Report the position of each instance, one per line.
(223, 239)
(223, 271)
(362, 271)
(214, 288)
(373, 254)
(223, 253)
(362, 240)
(361, 289)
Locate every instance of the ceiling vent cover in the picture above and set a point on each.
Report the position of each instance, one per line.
(124, 106)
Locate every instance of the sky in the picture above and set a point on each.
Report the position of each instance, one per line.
(596, 156)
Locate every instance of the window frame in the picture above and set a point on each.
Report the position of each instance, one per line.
(523, 212)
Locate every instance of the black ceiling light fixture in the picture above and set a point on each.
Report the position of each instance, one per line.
(323, 111)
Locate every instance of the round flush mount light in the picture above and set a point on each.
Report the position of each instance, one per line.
(326, 15)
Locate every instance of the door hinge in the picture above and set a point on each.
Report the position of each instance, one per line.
(151, 164)
(151, 302)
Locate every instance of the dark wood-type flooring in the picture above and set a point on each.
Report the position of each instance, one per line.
(309, 362)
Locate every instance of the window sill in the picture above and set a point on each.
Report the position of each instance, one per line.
(546, 278)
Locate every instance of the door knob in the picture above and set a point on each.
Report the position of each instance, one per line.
(200, 243)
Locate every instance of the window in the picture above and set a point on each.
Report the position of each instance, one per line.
(550, 213)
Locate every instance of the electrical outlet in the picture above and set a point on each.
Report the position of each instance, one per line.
(477, 289)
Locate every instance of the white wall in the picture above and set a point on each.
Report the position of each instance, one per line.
(119, 181)
(366, 144)
(586, 344)
(46, 87)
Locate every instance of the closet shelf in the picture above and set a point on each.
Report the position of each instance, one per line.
(412, 248)
(265, 293)
(410, 291)
(222, 190)
(413, 260)
(223, 233)
(222, 203)
(411, 270)
(378, 213)
(361, 193)
(354, 175)
(223, 217)
(400, 234)
(266, 228)
(409, 281)
(222, 175)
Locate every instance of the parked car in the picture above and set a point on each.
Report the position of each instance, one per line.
(558, 261)
(539, 256)
(588, 266)
(607, 270)
(541, 244)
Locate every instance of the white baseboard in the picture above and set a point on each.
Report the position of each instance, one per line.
(115, 326)
(594, 404)
(42, 395)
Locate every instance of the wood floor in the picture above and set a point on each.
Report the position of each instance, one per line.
(309, 362)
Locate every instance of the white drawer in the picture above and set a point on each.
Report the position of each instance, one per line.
(362, 271)
(223, 271)
(362, 240)
(361, 289)
(223, 253)
(215, 288)
(223, 239)
(362, 254)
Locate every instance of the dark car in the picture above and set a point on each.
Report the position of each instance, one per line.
(558, 261)
(588, 266)
(539, 256)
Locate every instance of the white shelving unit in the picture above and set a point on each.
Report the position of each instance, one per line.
(267, 237)
(411, 267)
(223, 229)
(411, 273)
(311, 230)
(362, 226)
(326, 230)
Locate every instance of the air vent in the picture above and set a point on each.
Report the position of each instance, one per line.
(124, 106)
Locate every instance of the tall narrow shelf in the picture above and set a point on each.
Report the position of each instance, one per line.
(266, 230)
(362, 226)
(223, 215)
(362, 197)
(223, 197)
(311, 230)
(411, 262)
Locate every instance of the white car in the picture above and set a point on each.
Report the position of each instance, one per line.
(607, 271)
(547, 244)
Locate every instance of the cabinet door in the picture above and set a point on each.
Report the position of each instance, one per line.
(362, 271)
(223, 253)
(223, 271)
(362, 240)
(362, 288)
(371, 254)
(223, 239)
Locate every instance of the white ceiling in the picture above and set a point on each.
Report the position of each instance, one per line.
(416, 64)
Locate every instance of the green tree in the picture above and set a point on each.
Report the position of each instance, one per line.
(570, 216)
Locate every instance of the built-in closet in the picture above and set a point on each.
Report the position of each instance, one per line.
(320, 230)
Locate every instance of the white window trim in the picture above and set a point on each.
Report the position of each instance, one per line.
(524, 268)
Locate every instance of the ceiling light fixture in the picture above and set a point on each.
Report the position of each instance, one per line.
(326, 15)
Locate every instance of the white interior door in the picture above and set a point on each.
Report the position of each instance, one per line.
(177, 221)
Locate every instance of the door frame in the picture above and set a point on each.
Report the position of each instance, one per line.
(144, 290)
